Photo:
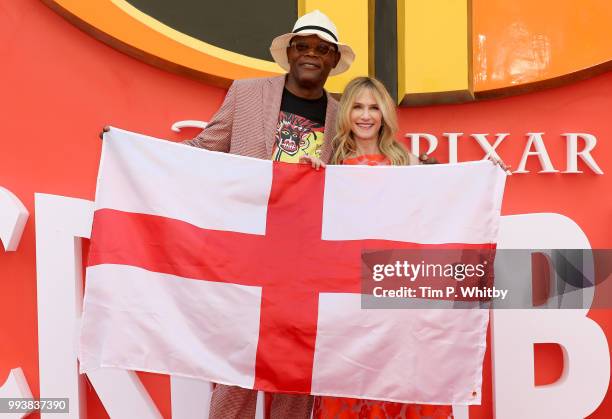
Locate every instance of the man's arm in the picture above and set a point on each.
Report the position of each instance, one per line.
(218, 133)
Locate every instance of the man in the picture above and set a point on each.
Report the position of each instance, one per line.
(282, 118)
(288, 116)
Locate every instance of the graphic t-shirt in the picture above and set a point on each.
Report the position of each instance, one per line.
(300, 129)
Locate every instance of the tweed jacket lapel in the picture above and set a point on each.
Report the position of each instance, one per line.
(330, 127)
(271, 101)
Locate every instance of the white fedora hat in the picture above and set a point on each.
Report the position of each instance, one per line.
(313, 23)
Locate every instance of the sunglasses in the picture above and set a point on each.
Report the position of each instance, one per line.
(320, 49)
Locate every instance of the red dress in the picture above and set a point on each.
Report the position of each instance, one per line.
(347, 408)
(368, 160)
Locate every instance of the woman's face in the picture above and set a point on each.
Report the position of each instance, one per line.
(365, 117)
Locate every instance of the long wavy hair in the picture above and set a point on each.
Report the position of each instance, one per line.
(344, 144)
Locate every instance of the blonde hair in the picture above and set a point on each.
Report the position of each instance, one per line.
(344, 144)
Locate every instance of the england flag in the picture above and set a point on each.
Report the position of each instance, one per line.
(247, 272)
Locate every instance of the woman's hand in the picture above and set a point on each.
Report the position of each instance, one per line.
(425, 159)
(315, 162)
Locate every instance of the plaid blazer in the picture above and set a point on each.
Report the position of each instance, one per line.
(246, 122)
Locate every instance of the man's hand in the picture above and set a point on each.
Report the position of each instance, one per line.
(425, 159)
(315, 162)
(105, 129)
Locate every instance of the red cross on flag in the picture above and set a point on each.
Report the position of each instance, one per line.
(248, 272)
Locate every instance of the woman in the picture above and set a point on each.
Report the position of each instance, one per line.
(367, 125)
(366, 134)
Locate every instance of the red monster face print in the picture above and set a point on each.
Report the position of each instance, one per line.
(292, 133)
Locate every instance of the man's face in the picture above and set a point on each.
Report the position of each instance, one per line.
(311, 59)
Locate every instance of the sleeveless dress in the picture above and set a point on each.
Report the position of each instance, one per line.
(347, 408)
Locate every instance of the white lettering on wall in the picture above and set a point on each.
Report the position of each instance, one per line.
(15, 387)
(535, 147)
(415, 140)
(585, 154)
(586, 371)
(453, 139)
(179, 125)
(13, 218)
(535, 141)
(489, 149)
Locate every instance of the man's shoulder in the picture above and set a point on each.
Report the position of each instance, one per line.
(258, 82)
(332, 103)
(332, 100)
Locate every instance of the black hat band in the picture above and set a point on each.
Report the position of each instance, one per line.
(318, 28)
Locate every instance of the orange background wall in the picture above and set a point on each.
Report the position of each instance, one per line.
(524, 41)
